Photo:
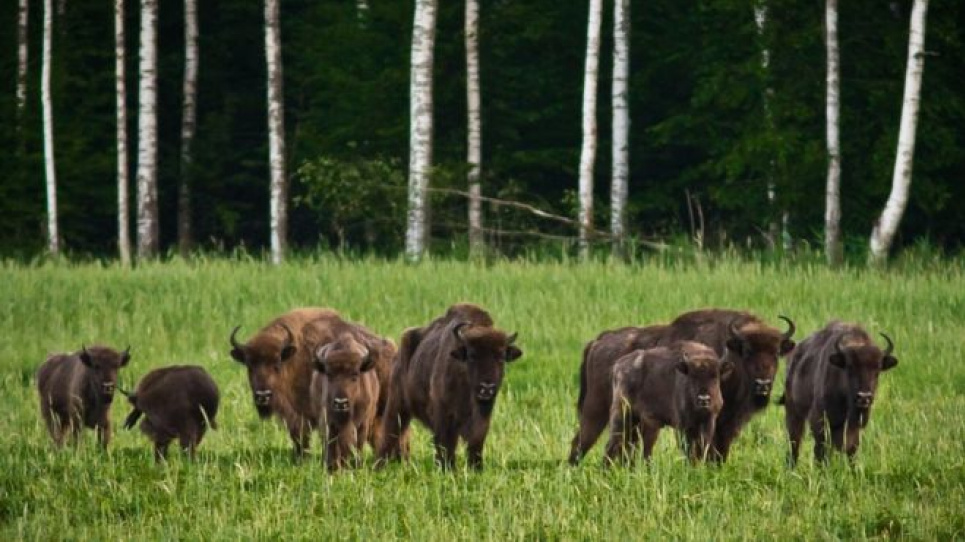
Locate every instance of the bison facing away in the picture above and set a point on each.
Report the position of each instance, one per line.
(831, 382)
(658, 387)
(448, 376)
(76, 391)
(177, 402)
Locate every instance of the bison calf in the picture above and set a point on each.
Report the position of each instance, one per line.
(654, 388)
(177, 402)
(76, 391)
(831, 382)
(346, 391)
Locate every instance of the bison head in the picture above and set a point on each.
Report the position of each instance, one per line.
(862, 362)
(264, 357)
(757, 348)
(341, 363)
(702, 370)
(485, 351)
(104, 363)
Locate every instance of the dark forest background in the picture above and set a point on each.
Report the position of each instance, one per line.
(697, 108)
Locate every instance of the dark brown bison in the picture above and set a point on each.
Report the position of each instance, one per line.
(448, 376)
(657, 387)
(76, 391)
(279, 362)
(346, 390)
(741, 338)
(831, 382)
(177, 402)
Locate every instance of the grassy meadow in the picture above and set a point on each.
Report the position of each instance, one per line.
(908, 481)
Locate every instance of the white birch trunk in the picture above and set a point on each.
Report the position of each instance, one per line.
(588, 151)
(22, 57)
(420, 128)
(474, 145)
(147, 207)
(123, 206)
(53, 233)
(185, 237)
(886, 226)
(276, 134)
(362, 10)
(621, 125)
(832, 206)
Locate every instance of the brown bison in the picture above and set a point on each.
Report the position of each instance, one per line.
(279, 362)
(741, 338)
(447, 376)
(346, 390)
(831, 382)
(76, 391)
(661, 386)
(177, 402)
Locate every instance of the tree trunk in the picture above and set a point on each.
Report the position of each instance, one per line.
(123, 207)
(420, 129)
(276, 134)
(22, 58)
(832, 210)
(185, 237)
(886, 226)
(621, 126)
(362, 10)
(475, 131)
(53, 233)
(588, 152)
(147, 208)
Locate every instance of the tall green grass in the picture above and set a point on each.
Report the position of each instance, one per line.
(909, 480)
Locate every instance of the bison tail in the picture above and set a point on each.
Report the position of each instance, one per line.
(582, 397)
(132, 418)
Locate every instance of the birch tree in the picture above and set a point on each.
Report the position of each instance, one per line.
(588, 151)
(474, 145)
(885, 227)
(123, 208)
(188, 109)
(420, 127)
(53, 233)
(621, 125)
(832, 206)
(147, 207)
(276, 134)
(22, 50)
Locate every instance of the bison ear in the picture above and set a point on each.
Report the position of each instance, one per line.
(888, 362)
(786, 346)
(460, 353)
(726, 369)
(736, 345)
(513, 353)
(85, 356)
(682, 367)
(368, 363)
(288, 351)
(838, 359)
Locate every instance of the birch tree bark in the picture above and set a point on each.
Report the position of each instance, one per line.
(885, 227)
(185, 237)
(120, 85)
(147, 208)
(588, 151)
(832, 207)
(474, 145)
(53, 233)
(276, 134)
(420, 128)
(22, 58)
(621, 125)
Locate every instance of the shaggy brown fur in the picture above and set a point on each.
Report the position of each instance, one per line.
(76, 391)
(177, 402)
(831, 382)
(448, 376)
(739, 337)
(661, 386)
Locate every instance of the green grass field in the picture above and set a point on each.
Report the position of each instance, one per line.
(908, 481)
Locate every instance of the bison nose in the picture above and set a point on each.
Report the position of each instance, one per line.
(340, 404)
(107, 388)
(865, 398)
(703, 401)
(486, 391)
(762, 386)
(262, 397)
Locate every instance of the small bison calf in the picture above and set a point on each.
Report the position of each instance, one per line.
(178, 402)
(346, 393)
(653, 388)
(831, 381)
(76, 391)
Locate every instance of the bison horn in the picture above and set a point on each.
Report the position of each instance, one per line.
(837, 345)
(290, 337)
(234, 341)
(891, 346)
(733, 329)
(457, 331)
(791, 328)
(512, 338)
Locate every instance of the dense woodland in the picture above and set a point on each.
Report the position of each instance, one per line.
(711, 125)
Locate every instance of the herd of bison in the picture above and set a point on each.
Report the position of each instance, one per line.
(706, 374)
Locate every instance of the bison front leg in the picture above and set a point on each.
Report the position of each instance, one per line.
(475, 440)
(104, 433)
(650, 433)
(593, 420)
(622, 435)
(724, 435)
(795, 433)
(820, 434)
(699, 442)
(300, 432)
(161, 449)
(394, 432)
(445, 439)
